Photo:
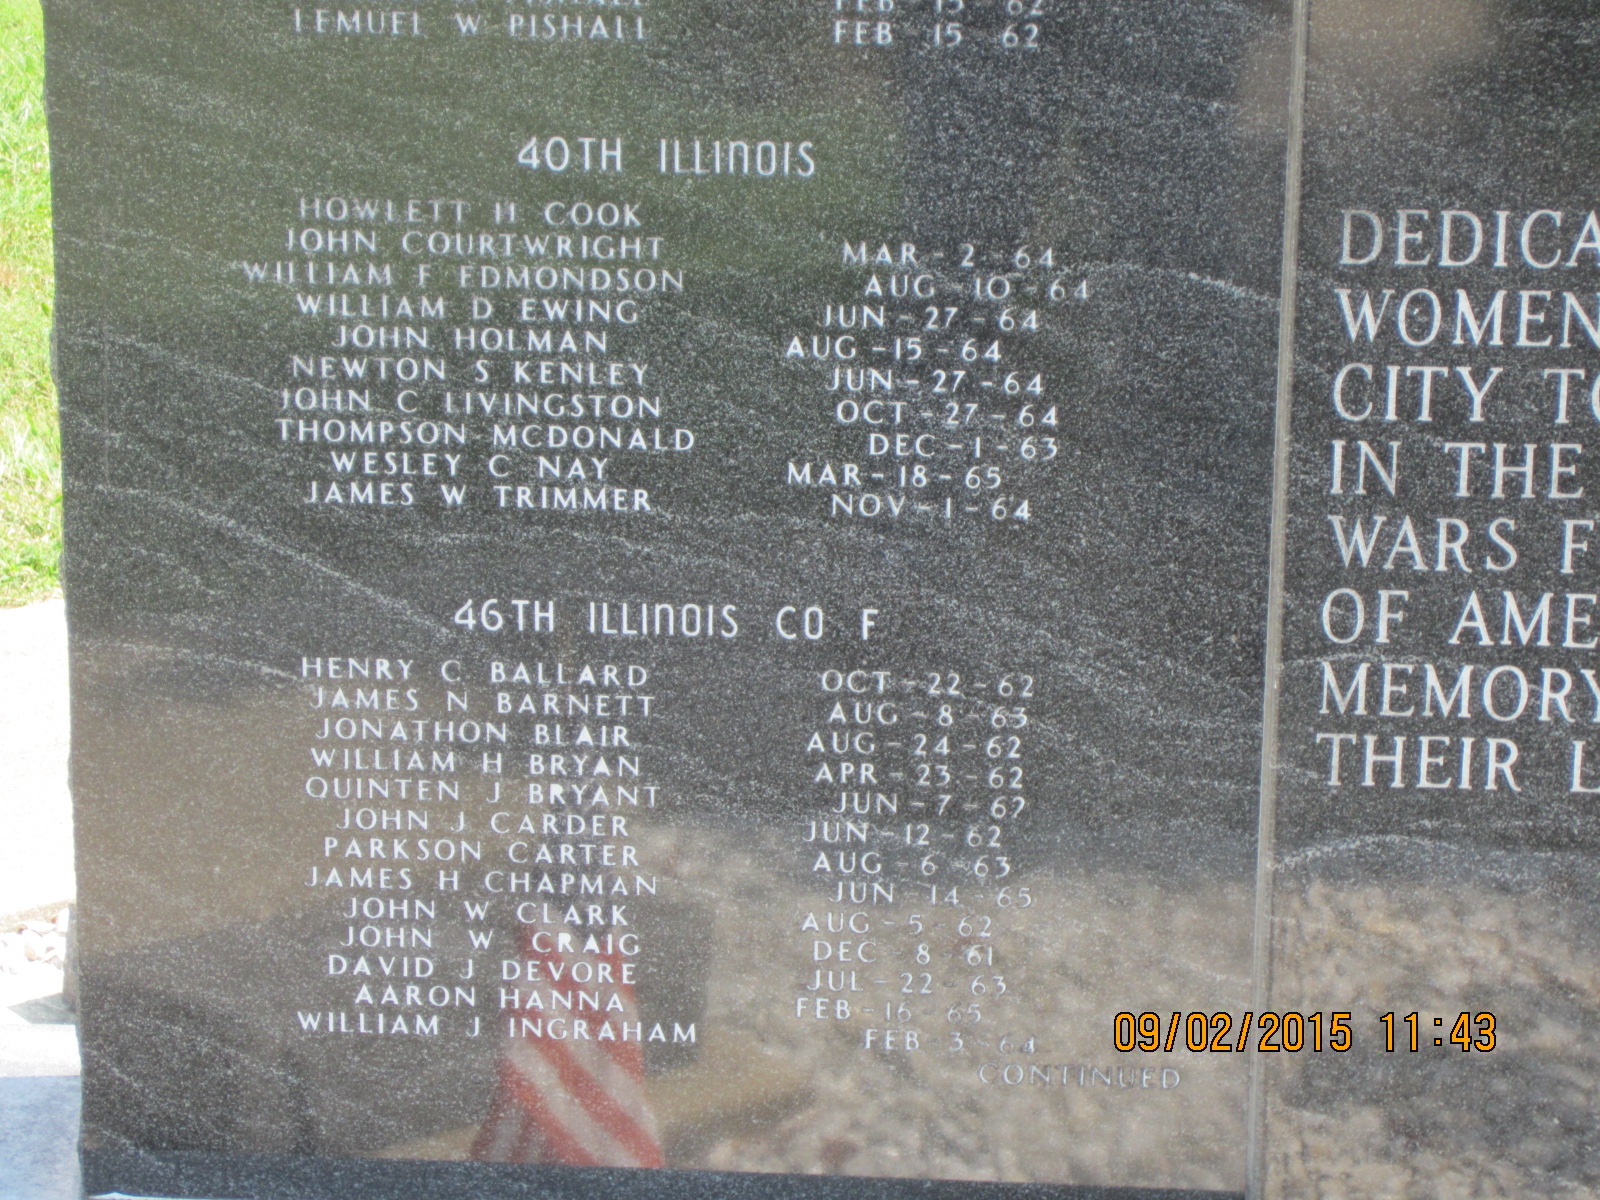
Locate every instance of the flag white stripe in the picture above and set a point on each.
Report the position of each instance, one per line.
(541, 1074)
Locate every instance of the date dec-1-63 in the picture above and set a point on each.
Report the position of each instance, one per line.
(1292, 1032)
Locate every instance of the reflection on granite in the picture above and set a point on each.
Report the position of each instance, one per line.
(1392, 893)
(807, 562)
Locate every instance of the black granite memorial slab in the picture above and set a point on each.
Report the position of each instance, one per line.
(669, 584)
(876, 597)
(1436, 833)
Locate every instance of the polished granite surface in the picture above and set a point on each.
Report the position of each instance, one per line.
(696, 584)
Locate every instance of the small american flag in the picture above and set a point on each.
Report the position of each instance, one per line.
(576, 1101)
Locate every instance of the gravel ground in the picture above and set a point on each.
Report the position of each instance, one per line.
(1440, 1124)
(1515, 1122)
(1090, 945)
(35, 942)
(32, 969)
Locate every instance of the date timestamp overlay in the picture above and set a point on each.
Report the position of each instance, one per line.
(1294, 1032)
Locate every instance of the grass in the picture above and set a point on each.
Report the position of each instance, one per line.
(30, 439)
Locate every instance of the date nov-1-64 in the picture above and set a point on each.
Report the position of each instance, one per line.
(1293, 1032)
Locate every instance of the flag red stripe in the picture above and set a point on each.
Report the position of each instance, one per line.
(587, 1090)
(528, 1119)
(563, 1147)
(628, 1054)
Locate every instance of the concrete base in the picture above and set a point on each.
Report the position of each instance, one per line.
(36, 870)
